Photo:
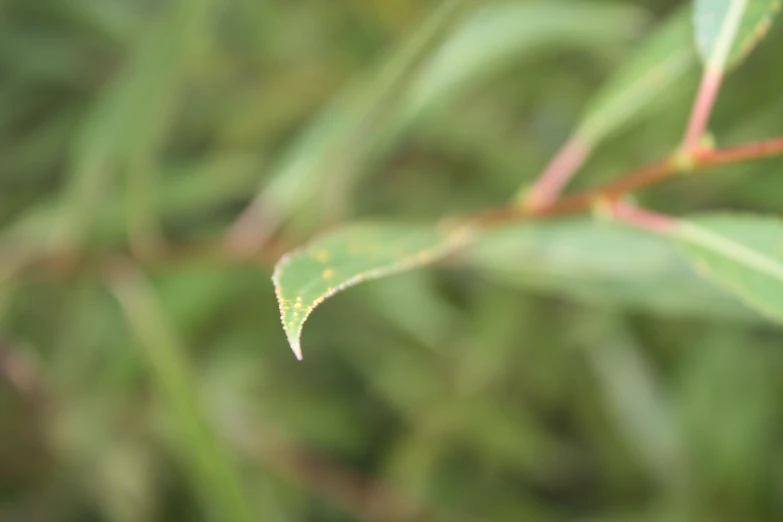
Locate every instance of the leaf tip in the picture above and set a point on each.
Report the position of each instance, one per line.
(297, 349)
(293, 327)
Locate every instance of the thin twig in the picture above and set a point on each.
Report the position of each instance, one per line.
(67, 265)
(641, 218)
(702, 108)
(644, 177)
(556, 175)
(713, 75)
(63, 265)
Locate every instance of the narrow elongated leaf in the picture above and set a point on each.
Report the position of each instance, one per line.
(599, 264)
(743, 254)
(348, 256)
(635, 398)
(499, 35)
(368, 117)
(361, 121)
(214, 473)
(135, 112)
(663, 60)
(727, 30)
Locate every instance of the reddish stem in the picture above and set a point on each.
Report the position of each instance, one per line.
(702, 107)
(557, 174)
(66, 263)
(641, 218)
(644, 177)
(251, 230)
(762, 149)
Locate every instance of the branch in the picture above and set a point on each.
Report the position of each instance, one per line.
(702, 108)
(713, 75)
(67, 264)
(556, 175)
(640, 218)
(649, 175)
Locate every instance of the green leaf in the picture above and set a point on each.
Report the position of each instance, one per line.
(499, 35)
(634, 397)
(359, 123)
(743, 254)
(599, 264)
(727, 30)
(213, 470)
(663, 60)
(365, 120)
(132, 117)
(348, 256)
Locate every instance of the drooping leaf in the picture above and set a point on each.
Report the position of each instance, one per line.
(727, 30)
(743, 254)
(663, 60)
(348, 256)
(600, 264)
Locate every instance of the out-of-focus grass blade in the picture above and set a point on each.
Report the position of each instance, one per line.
(368, 117)
(134, 114)
(54, 59)
(343, 136)
(743, 254)
(498, 35)
(114, 20)
(662, 61)
(348, 256)
(215, 474)
(636, 399)
(184, 190)
(727, 30)
(727, 394)
(37, 153)
(599, 264)
(412, 305)
(189, 190)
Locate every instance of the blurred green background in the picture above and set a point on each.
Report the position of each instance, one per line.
(156, 157)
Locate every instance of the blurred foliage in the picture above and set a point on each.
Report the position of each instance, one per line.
(548, 376)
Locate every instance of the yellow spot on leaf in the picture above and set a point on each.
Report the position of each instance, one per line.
(323, 256)
(328, 273)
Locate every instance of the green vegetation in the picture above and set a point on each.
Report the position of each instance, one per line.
(157, 159)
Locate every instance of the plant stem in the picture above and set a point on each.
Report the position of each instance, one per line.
(65, 264)
(641, 218)
(702, 107)
(641, 178)
(572, 155)
(556, 175)
(751, 151)
(713, 75)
